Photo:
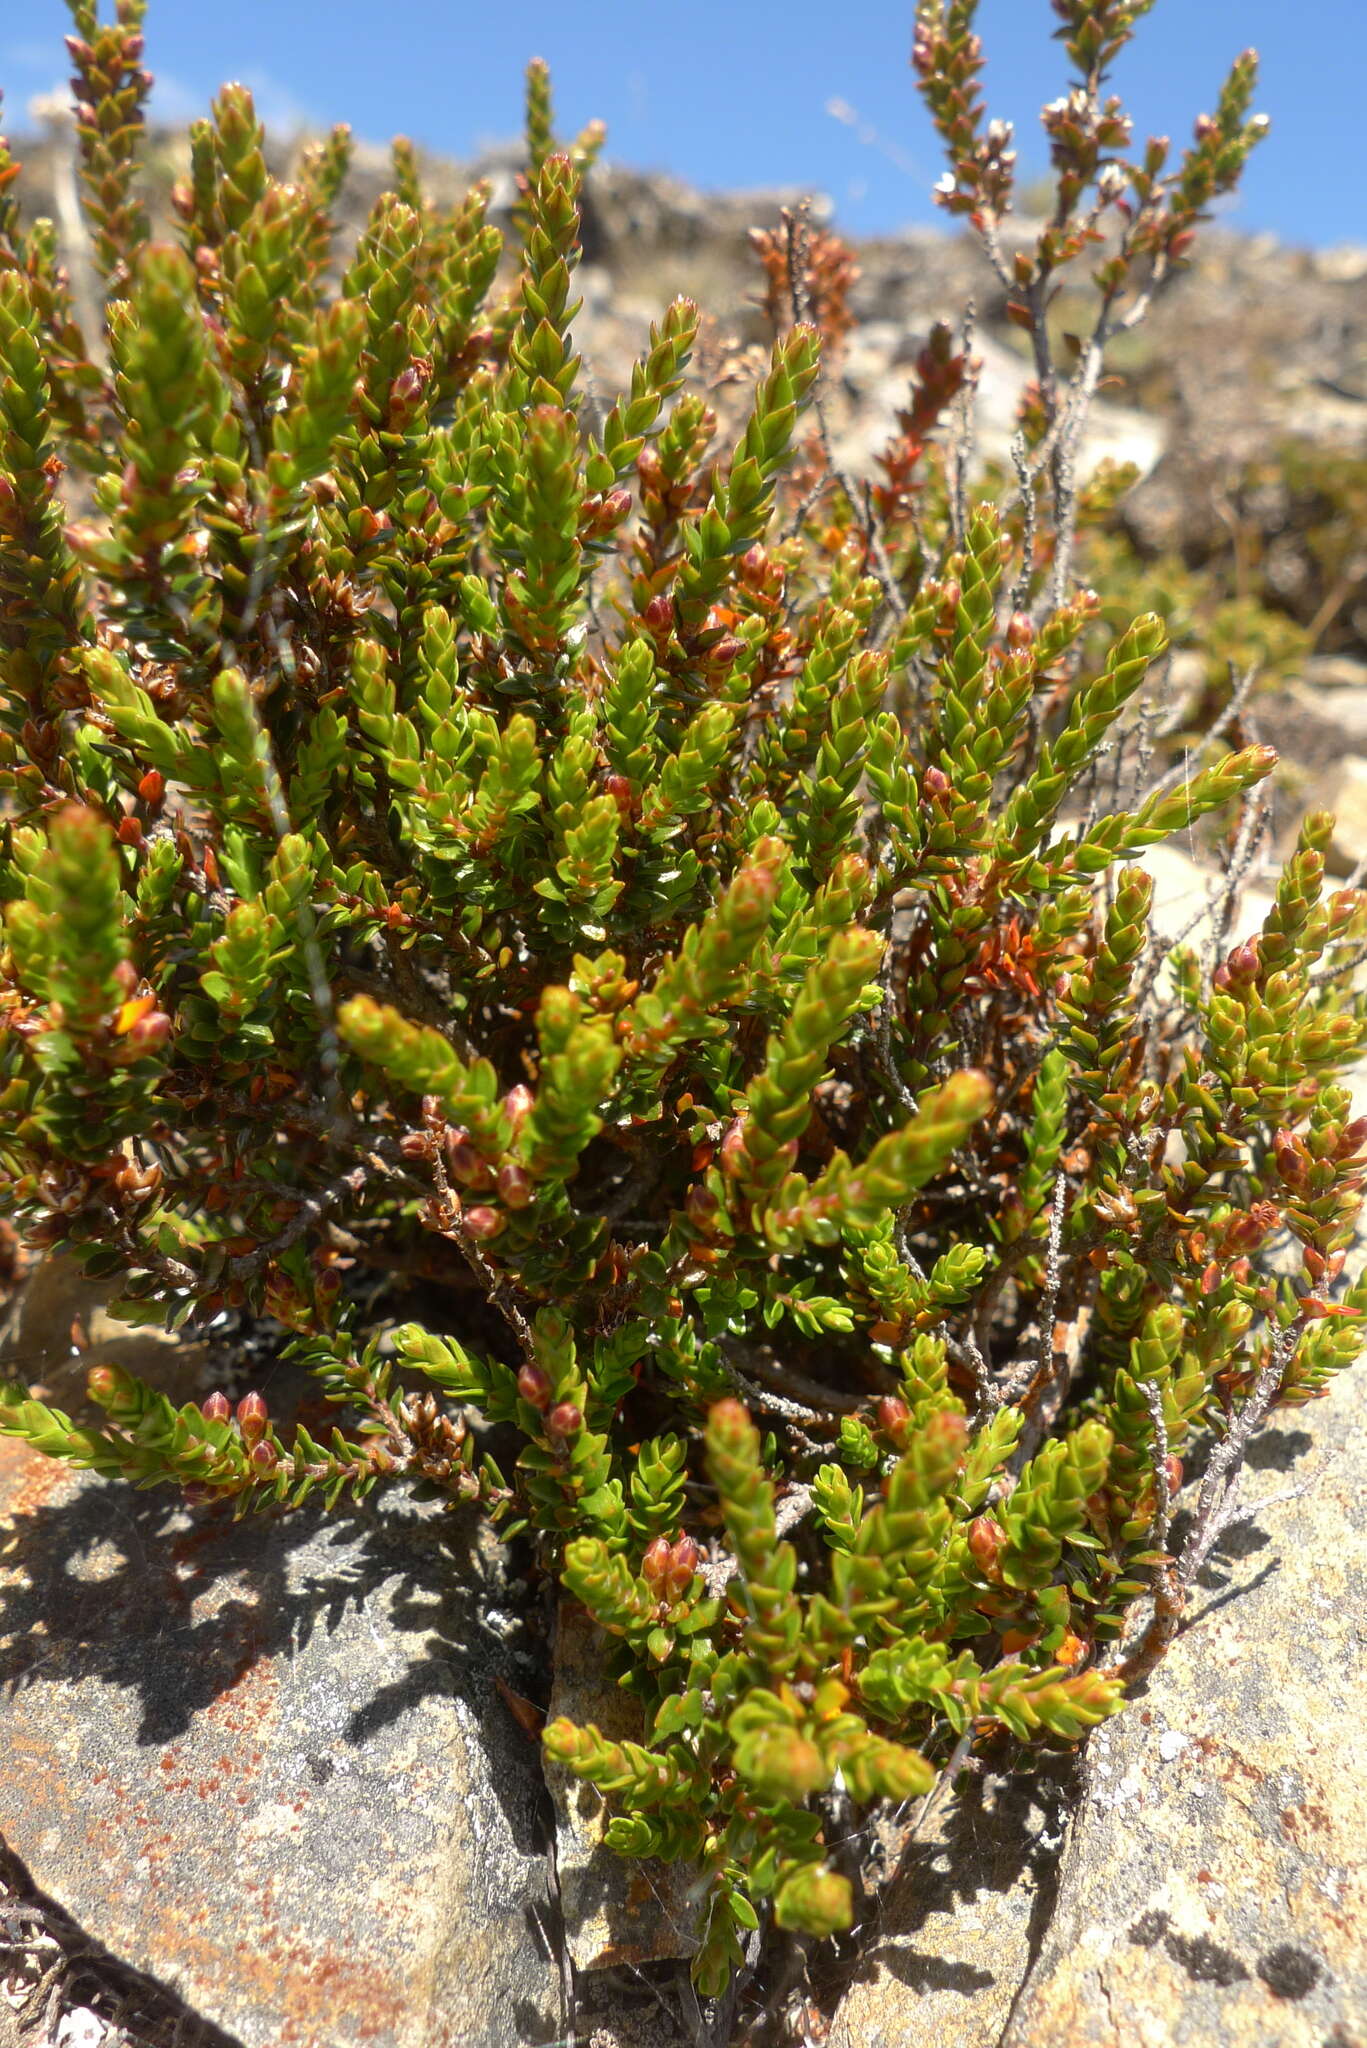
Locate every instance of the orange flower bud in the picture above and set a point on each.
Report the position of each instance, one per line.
(252, 1417)
(986, 1542)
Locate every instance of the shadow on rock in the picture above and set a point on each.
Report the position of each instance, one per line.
(136, 1592)
(997, 1830)
(56, 1967)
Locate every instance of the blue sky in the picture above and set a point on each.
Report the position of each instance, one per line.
(745, 97)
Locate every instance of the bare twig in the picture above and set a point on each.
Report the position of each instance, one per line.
(1216, 1510)
(1162, 1513)
(797, 232)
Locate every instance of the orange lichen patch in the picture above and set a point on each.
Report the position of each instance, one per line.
(247, 1705)
(28, 1480)
(282, 1972)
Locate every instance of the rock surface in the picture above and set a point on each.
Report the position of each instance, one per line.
(1348, 848)
(266, 1762)
(959, 1929)
(615, 1912)
(1215, 1888)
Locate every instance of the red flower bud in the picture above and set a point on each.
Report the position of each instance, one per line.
(935, 782)
(657, 1560)
(1173, 1468)
(733, 1153)
(147, 1036)
(682, 1566)
(726, 650)
(618, 787)
(1292, 1159)
(263, 1457)
(534, 1386)
(893, 1415)
(252, 1417)
(415, 1145)
(565, 1420)
(1354, 1137)
(152, 787)
(217, 1408)
(1020, 632)
(129, 832)
(659, 614)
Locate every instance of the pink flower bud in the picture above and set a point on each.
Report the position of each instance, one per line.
(263, 1457)
(516, 1188)
(565, 1420)
(657, 1560)
(464, 1162)
(483, 1223)
(518, 1105)
(217, 1408)
(406, 392)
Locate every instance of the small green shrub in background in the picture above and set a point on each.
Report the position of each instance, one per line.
(450, 821)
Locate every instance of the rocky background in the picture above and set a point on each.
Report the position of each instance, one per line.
(279, 1783)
